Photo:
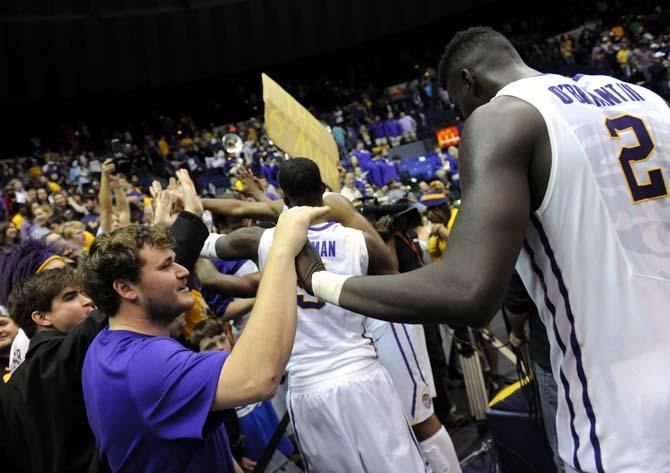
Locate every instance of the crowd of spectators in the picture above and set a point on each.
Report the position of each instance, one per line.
(633, 47)
(366, 126)
(65, 197)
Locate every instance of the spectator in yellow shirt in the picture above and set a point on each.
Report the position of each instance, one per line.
(622, 58)
(440, 216)
(163, 147)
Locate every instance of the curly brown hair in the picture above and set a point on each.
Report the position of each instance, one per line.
(116, 255)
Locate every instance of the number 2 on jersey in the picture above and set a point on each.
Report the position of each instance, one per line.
(655, 188)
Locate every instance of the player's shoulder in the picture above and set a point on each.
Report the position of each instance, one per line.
(504, 119)
(333, 228)
(504, 107)
(338, 227)
(336, 232)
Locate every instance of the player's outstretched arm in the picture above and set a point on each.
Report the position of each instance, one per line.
(240, 244)
(468, 285)
(211, 279)
(251, 187)
(239, 208)
(255, 366)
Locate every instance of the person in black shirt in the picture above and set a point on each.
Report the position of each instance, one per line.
(42, 402)
(519, 308)
(400, 233)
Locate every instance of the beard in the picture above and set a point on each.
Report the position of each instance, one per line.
(163, 311)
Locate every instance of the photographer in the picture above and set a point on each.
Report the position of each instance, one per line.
(397, 224)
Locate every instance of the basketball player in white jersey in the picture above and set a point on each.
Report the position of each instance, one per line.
(402, 350)
(344, 409)
(569, 179)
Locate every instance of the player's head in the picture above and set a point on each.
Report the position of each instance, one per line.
(470, 62)
(228, 223)
(135, 267)
(300, 180)
(49, 300)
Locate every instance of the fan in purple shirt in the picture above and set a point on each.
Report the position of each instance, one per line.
(153, 405)
(379, 131)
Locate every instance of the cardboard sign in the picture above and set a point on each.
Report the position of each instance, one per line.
(298, 133)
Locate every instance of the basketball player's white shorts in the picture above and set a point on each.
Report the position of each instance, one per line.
(353, 424)
(402, 351)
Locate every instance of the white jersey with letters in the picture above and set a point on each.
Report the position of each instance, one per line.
(330, 341)
(344, 409)
(596, 261)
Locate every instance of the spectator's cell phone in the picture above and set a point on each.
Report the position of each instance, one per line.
(116, 146)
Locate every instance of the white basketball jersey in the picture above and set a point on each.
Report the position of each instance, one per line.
(596, 261)
(329, 341)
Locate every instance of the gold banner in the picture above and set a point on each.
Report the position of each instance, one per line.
(298, 133)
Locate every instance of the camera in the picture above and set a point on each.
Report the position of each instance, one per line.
(403, 213)
(116, 146)
(121, 162)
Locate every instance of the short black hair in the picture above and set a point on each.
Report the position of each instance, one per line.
(467, 45)
(37, 293)
(300, 177)
(57, 219)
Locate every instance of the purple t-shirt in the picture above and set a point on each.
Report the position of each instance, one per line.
(378, 129)
(364, 158)
(148, 403)
(392, 128)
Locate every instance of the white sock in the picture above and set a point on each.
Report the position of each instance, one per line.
(440, 453)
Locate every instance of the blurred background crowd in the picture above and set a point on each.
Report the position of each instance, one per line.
(397, 142)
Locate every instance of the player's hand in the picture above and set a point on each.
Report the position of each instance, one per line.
(291, 230)
(192, 202)
(307, 263)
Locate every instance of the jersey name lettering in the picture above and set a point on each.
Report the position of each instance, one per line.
(325, 248)
(605, 96)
